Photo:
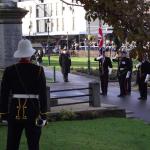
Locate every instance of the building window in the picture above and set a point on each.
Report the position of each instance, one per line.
(48, 9)
(37, 25)
(73, 25)
(56, 9)
(40, 11)
(52, 25)
(51, 8)
(63, 9)
(62, 24)
(46, 25)
(45, 11)
(40, 25)
(57, 24)
(37, 10)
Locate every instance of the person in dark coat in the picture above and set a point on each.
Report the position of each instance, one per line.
(23, 101)
(39, 56)
(65, 63)
(124, 73)
(143, 75)
(105, 69)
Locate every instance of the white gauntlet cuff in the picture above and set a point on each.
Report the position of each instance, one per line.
(147, 78)
(128, 74)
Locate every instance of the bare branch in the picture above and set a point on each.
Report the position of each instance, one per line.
(71, 3)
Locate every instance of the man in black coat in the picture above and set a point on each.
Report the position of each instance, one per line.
(23, 101)
(105, 68)
(143, 75)
(124, 73)
(65, 63)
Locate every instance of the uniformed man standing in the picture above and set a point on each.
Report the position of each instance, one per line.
(65, 63)
(143, 75)
(23, 101)
(105, 68)
(124, 73)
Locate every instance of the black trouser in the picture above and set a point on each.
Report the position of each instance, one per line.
(15, 129)
(142, 87)
(123, 84)
(65, 76)
(128, 81)
(104, 83)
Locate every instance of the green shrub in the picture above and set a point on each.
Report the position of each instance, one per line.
(67, 115)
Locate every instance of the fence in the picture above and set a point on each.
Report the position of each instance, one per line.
(93, 94)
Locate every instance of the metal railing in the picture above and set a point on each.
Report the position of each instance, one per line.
(93, 94)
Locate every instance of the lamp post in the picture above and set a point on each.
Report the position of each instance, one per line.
(67, 42)
(48, 41)
(89, 67)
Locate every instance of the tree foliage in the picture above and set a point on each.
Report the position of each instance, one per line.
(130, 19)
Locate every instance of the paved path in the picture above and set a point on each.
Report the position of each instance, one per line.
(140, 109)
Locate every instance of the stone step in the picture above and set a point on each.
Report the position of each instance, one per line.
(130, 114)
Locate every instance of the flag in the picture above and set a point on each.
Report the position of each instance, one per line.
(100, 31)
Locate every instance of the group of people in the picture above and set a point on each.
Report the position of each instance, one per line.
(124, 73)
(37, 57)
(23, 97)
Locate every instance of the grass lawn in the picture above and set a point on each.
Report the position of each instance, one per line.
(97, 134)
(77, 62)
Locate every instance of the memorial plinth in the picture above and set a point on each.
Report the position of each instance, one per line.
(10, 31)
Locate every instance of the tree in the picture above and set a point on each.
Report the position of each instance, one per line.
(130, 19)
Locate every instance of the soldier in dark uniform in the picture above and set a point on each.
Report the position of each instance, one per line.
(23, 101)
(105, 68)
(124, 73)
(65, 63)
(143, 75)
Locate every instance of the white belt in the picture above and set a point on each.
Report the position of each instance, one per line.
(122, 68)
(25, 96)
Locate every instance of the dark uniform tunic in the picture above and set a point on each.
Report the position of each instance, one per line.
(104, 65)
(23, 78)
(65, 63)
(143, 70)
(124, 65)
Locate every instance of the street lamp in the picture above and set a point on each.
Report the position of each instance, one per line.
(89, 68)
(67, 42)
(48, 41)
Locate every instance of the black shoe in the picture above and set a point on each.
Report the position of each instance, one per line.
(104, 94)
(129, 93)
(66, 80)
(121, 95)
(142, 98)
